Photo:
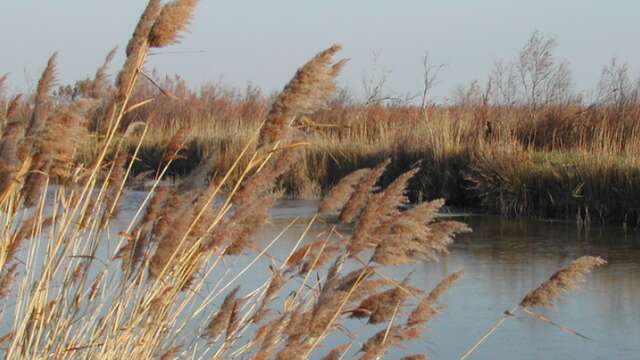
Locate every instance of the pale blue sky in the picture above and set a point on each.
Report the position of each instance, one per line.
(263, 42)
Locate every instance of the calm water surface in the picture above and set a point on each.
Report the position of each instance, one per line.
(502, 259)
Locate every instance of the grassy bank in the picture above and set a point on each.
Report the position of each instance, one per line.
(569, 162)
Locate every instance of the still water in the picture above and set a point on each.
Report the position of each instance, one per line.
(502, 259)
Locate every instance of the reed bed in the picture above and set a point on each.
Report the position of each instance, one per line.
(571, 160)
(150, 296)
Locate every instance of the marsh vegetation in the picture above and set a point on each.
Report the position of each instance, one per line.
(80, 278)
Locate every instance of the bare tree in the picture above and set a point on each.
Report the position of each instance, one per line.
(468, 95)
(542, 78)
(430, 78)
(615, 86)
(375, 82)
(505, 83)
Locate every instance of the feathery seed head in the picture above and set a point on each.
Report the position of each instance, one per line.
(562, 281)
(174, 18)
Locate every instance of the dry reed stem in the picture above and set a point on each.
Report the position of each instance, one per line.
(113, 191)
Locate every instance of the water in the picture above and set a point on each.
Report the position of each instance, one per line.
(502, 259)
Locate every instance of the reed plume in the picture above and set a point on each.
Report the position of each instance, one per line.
(221, 320)
(426, 309)
(380, 209)
(244, 223)
(11, 154)
(378, 344)
(337, 353)
(341, 192)
(362, 192)
(410, 237)
(171, 353)
(380, 307)
(394, 196)
(28, 228)
(8, 275)
(263, 181)
(54, 149)
(135, 50)
(270, 334)
(551, 290)
(99, 83)
(133, 251)
(414, 357)
(443, 286)
(175, 145)
(562, 281)
(3, 80)
(170, 233)
(303, 95)
(46, 82)
(275, 284)
(312, 255)
(144, 25)
(12, 107)
(174, 18)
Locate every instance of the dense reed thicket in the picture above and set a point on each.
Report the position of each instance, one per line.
(82, 278)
